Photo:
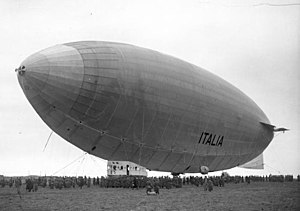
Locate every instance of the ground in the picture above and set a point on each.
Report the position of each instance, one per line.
(254, 196)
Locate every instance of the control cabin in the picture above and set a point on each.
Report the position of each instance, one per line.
(123, 168)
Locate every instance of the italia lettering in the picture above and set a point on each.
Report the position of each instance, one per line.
(211, 139)
(200, 138)
(221, 141)
(205, 135)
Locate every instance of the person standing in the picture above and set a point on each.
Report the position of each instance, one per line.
(205, 183)
(210, 185)
(18, 184)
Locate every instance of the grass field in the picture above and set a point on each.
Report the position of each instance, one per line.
(255, 196)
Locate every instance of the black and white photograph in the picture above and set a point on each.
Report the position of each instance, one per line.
(149, 105)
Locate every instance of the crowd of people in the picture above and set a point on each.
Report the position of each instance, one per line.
(151, 184)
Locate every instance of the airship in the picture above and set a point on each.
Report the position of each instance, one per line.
(122, 102)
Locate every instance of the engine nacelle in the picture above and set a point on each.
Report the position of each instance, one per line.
(204, 169)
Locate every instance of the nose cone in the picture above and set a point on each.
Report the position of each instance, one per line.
(52, 78)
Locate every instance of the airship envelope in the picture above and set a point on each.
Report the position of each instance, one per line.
(123, 102)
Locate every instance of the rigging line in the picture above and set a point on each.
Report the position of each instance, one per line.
(96, 163)
(272, 168)
(93, 161)
(125, 150)
(197, 143)
(151, 123)
(165, 128)
(99, 159)
(277, 135)
(140, 152)
(82, 165)
(48, 140)
(69, 163)
(113, 113)
(143, 124)
(83, 159)
(78, 168)
(95, 95)
(91, 157)
(142, 141)
(181, 122)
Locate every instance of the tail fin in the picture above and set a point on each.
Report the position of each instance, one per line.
(256, 163)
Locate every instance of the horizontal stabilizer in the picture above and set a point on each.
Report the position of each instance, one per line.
(256, 163)
(273, 128)
(281, 129)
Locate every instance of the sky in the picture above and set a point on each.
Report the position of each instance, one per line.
(254, 45)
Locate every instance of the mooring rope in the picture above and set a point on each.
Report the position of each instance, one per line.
(69, 163)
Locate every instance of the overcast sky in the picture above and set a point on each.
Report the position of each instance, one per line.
(251, 44)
